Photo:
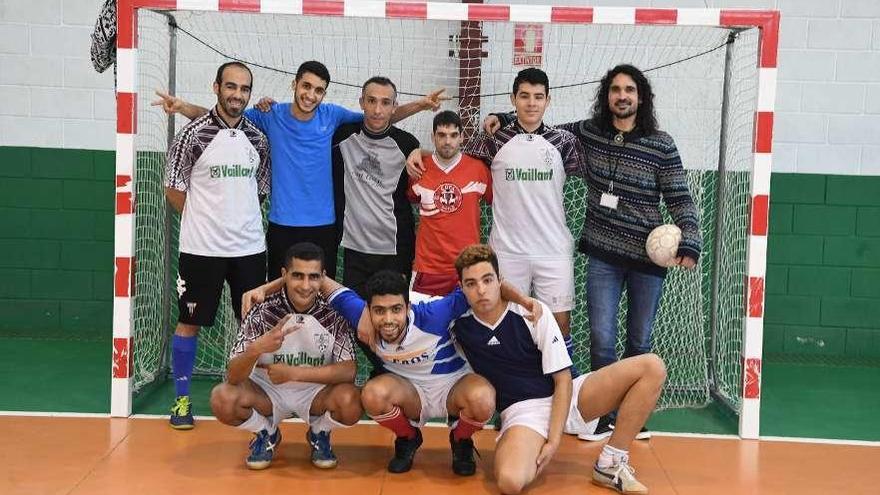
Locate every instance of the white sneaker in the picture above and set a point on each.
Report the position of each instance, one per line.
(620, 476)
(603, 430)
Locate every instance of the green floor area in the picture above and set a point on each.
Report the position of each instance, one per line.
(55, 375)
(800, 399)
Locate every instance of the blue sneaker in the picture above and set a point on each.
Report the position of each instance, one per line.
(263, 448)
(322, 454)
(181, 414)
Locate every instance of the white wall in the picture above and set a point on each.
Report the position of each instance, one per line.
(49, 94)
(828, 99)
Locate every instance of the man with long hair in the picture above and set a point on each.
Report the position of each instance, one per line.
(631, 165)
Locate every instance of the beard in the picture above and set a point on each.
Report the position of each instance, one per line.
(625, 113)
(231, 110)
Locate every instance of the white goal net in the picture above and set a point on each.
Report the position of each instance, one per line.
(705, 83)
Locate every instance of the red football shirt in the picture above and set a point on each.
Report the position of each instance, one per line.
(449, 211)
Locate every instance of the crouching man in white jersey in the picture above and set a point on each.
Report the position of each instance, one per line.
(304, 356)
(527, 364)
(427, 377)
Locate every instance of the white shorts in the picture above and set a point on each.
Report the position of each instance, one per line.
(433, 395)
(551, 280)
(288, 399)
(535, 414)
(575, 424)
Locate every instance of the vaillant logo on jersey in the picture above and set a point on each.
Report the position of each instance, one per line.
(299, 359)
(493, 341)
(226, 171)
(527, 174)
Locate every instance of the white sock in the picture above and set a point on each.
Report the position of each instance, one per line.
(324, 422)
(257, 423)
(611, 456)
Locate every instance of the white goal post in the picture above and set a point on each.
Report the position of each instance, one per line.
(721, 118)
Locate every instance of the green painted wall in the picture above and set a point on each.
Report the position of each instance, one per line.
(823, 273)
(56, 251)
(56, 242)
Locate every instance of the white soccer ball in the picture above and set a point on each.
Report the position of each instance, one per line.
(662, 244)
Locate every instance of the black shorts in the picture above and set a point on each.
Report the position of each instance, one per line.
(200, 284)
(280, 237)
(358, 267)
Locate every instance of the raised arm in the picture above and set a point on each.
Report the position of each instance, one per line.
(512, 294)
(430, 101)
(258, 295)
(172, 104)
(350, 305)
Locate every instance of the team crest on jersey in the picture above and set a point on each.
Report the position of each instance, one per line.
(547, 156)
(253, 158)
(447, 196)
(322, 341)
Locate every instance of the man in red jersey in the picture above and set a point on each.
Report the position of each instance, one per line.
(448, 194)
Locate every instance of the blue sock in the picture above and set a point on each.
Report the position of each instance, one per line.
(183, 359)
(569, 346)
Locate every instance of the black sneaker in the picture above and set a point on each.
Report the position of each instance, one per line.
(463, 463)
(603, 430)
(404, 452)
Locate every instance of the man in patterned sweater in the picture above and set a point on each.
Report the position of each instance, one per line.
(631, 166)
(216, 174)
(294, 356)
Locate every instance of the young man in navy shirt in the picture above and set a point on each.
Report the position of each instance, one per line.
(527, 364)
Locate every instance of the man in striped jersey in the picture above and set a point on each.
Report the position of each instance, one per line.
(427, 376)
(216, 174)
(294, 356)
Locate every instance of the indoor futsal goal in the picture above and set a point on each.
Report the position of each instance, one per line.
(713, 73)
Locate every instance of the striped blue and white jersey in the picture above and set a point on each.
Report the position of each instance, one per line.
(427, 351)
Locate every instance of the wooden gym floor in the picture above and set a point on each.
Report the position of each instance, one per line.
(94, 456)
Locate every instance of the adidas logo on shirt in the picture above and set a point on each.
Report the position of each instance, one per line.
(493, 341)
(555, 339)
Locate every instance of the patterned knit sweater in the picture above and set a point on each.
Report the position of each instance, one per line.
(644, 170)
